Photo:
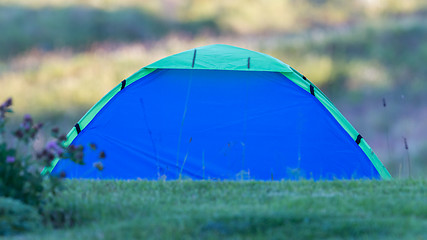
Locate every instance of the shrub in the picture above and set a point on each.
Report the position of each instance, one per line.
(21, 165)
(16, 217)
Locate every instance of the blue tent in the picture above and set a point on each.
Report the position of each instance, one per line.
(219, 112)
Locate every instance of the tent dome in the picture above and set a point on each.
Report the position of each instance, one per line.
(219, 112)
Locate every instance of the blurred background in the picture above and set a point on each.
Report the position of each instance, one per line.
(58, 58)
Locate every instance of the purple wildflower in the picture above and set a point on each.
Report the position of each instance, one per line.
(72, 148)
(8, 102)
(98, 165)
(26, 126)
(62, 138)
(38, 126)
(50, 157)
(55, 130)
(19, 134)
(10, 159)
(27, 123)
(51, 145)
(28, 118)
(79, 156)
(92, 146)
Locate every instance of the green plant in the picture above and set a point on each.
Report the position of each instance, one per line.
(21, 164)
(16, 217)
(21, 179)
(20, 176)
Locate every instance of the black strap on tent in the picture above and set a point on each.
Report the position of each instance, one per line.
(77, 126)
(123, 84)
(303, 77)
(249, 62)
(311, 89)
(358, 139)
(194, 58)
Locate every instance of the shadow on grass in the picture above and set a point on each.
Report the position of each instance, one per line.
(294, 226)
(78, 27)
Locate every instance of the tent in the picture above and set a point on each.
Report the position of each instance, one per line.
(219, 112)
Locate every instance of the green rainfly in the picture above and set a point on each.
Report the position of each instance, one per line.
(229, 58)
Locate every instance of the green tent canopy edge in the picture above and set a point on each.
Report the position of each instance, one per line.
(232, 58)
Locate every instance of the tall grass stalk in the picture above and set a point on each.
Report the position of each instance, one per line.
(387, 130)
(408, 157)
(203, 164)
(182, 123)
(185, 159)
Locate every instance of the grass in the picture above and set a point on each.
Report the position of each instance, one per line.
(242, 210)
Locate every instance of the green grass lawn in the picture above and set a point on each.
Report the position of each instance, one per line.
(242, 210)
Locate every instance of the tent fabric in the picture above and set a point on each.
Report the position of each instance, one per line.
(232, 58)
(207, 114)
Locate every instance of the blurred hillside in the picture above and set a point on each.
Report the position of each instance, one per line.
(58, 58)
(54, 24)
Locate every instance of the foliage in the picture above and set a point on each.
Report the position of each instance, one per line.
(16, 217)
(243, 210)
(21, 165)
(20, 176)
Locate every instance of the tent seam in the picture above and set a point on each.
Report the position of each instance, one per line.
(95, 109)
(379, 166)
